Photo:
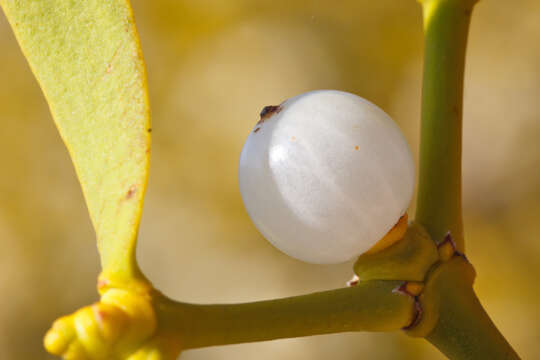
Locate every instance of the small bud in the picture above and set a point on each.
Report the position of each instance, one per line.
(414, 288)
(60, 335)
(447, 248)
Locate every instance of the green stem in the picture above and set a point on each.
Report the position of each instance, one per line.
(368, 306)
(463, 329)
(446, 24)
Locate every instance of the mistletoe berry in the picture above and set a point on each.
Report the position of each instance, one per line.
(326, 175)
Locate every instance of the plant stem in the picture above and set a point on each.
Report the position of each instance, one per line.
(446, 24)
(463, 330)
(368, 306)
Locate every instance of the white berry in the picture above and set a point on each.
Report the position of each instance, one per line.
(325, 175)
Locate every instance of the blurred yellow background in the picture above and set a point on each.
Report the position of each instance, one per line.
(212, 65)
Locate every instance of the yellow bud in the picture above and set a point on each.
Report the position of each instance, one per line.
(138, 309)
(89, 333)
(111, 320)
(60, 335)
(76, 351)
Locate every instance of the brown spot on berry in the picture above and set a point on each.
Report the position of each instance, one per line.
(268, 111)
(150, 130)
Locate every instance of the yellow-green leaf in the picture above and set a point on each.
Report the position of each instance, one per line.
(87, 58)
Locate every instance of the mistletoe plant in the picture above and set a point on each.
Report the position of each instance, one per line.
(302, 191)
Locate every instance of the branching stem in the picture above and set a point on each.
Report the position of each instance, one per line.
(463, 330)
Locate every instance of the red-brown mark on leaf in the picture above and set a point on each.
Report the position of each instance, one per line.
(110, 63)
(131, 191)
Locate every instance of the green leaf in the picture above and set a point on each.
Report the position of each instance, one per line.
(87, 59)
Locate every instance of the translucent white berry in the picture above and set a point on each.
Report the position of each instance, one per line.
(325, 175)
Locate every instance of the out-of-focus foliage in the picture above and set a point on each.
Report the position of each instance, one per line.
(213, 64)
